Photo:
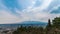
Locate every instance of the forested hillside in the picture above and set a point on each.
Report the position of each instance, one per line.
(51, 28)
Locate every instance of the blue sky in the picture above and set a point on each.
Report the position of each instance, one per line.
(15, 11)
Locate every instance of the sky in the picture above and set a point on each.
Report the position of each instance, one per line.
(17, 11)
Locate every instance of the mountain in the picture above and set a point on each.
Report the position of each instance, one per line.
(25, 23)
(33, 23)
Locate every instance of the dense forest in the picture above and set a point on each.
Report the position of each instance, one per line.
(51, 28)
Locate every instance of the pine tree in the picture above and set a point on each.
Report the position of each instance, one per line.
(48, 27)
(49, 24)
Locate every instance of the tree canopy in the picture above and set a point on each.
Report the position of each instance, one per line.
(56, 22)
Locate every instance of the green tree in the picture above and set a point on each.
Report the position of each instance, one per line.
(56, 22)
(48, 27)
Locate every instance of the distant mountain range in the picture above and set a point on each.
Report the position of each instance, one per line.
(25, 23)
(34, 23)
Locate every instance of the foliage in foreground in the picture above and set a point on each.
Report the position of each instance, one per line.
(53, 28)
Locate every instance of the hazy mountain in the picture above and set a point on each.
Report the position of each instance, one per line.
(25, 23)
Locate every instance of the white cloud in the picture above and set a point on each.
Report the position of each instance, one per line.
(31, 13)
(26, 3)
(6, 17)
(55, 8)
(38, 13)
